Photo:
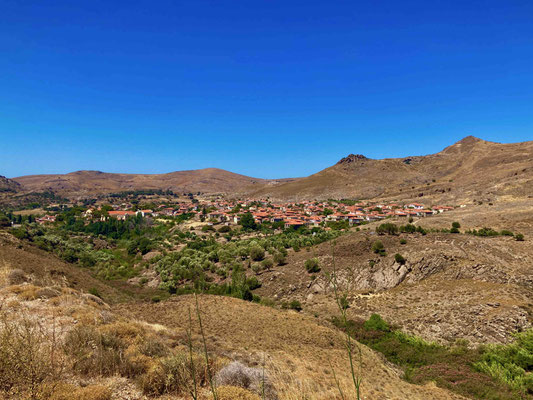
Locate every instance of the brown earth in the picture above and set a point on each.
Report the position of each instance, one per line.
(471, 169)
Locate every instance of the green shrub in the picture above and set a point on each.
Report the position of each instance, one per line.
(376, 323)
(408, 228)
(295, 305)
(511, 364)
(257, 253)
(257, 268)
(312, 265)
(403, 241)
(279, 258)
(267, 263)
(519, 237)
(388, 228)
(378, 248)
(253, 283)
(399, 259)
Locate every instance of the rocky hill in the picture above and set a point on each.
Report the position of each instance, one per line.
(471, 169)
(9, 185)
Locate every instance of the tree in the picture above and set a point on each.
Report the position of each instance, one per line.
(279, 258)
(388, 228)
(455, 227)
(247, 222)
(519, 237)
(257, 253)
(4, 221)
(267, 263)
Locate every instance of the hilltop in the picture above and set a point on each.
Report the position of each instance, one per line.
(9, 185)
(82, 183)
(471, 169)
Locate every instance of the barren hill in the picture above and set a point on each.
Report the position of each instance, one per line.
(8, 185)
(469, 169)
(208, 180)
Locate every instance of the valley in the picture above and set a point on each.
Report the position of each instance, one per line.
(208, 284)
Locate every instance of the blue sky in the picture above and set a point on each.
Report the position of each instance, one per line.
(263, 88)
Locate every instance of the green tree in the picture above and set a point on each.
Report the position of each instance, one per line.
(247, 222)
(257, 253)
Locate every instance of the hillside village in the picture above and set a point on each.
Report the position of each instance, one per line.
(295, 215)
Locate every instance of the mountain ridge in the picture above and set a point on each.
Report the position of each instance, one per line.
(471, 168)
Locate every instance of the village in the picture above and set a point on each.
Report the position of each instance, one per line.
(289, 215)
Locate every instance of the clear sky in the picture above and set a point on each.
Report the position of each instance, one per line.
(263, 88)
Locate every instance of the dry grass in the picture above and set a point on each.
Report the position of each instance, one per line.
(235, 393)
(65, 391)
(298, 350)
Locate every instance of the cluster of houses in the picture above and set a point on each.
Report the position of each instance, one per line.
(306, 213)
(46, 219)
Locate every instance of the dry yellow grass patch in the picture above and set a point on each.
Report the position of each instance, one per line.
(65, 391)
(297, 350)
(235, 393)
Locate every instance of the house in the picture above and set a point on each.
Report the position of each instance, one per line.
(355, 219)
(425, 213)
(294, 223)
(314, 220)
(217, 216)
(145, 213)
(46, 219)
(121, 215)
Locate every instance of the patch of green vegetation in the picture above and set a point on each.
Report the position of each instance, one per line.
(312, 265)
(378, 248)
(497, 372)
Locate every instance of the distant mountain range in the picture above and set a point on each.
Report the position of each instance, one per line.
(469, 169)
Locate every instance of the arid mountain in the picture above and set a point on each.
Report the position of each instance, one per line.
(81, 183)
(471, 169)
(8, 185)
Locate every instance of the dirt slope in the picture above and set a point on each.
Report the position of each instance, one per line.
(470, 169)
